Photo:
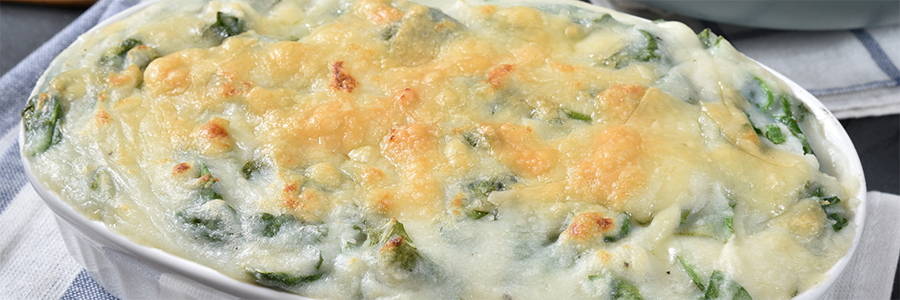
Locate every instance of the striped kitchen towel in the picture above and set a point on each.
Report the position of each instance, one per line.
(34, 261)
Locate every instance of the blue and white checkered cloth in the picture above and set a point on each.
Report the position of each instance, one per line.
(854, 72)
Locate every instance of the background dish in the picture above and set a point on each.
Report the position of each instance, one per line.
(790, 14)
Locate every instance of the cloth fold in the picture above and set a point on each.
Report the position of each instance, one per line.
(870, 273)
(34, 263)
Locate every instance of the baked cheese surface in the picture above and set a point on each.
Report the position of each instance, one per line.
(443, 150)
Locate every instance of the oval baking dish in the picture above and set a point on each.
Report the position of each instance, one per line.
(343, 149)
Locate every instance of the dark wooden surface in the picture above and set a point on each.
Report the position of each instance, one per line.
(24, 27)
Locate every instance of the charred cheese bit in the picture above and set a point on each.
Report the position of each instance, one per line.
(340, 80)
(588, 226)
(612, 174)
(520, 148)
(212, 138)
(182, 170)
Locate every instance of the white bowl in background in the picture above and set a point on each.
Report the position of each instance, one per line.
(788, 14)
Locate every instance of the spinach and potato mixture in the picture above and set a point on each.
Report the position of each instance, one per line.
(443, 150)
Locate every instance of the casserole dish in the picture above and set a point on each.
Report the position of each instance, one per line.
(552, 208)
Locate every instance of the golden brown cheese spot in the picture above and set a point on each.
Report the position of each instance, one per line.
(485, 11)
(307, 132)
(324, 174)
(260, 100)
(456, 205)
(672, 151)
(499, 74)
(561, 67)
(521, 17)
(520, 148)
(127, 103)
(180, 169)
(233, 62)
(612, 173)
(372, 176)
(407, 101)
(589, 226)
(101, 118)
(306, 203)
(378, 12)
(467, 55)
(413, 150)
(340, 80)
(458, 155)
(168, 75)
(212, 138)
(292, 62)
(603, 257)
(531, 55)
(335, 125)
(229, 90)
(410, 144)
(620, 101)
(381, 200)
(129, 77)
(746, 137)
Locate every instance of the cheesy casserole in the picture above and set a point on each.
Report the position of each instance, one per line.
(379, 149)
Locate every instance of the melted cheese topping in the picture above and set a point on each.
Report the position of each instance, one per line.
(531, 152)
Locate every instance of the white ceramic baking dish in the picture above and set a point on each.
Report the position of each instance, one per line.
(132, 271)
